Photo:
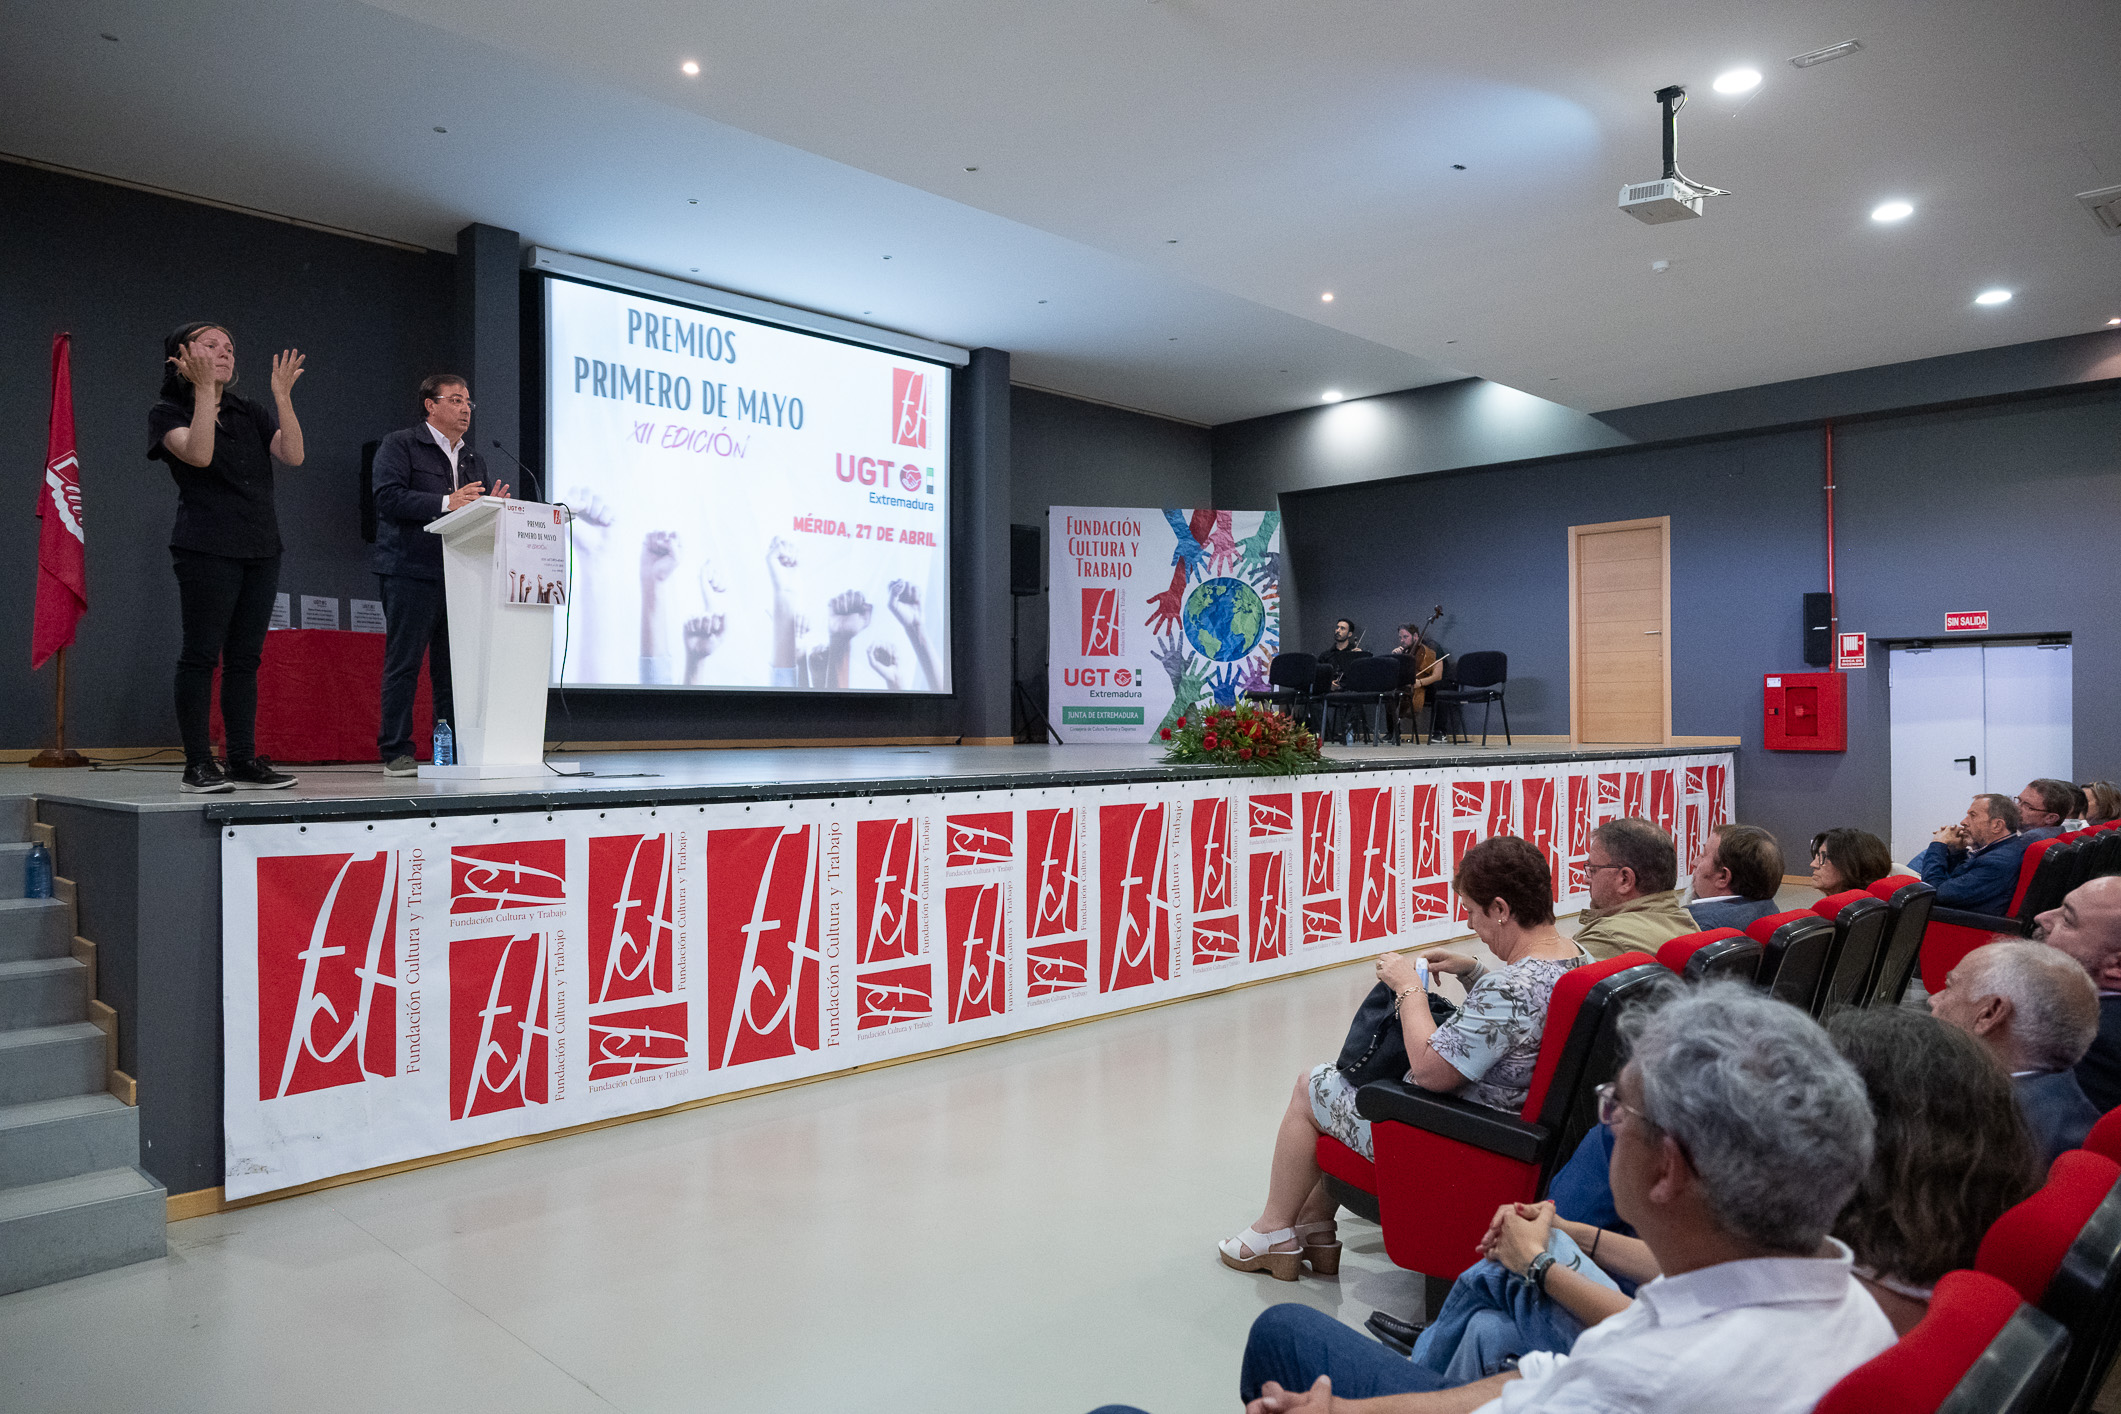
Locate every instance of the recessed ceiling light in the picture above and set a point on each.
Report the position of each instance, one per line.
(441, 130)
(690, 69)
(111, 37)
(1326, 298)
(1833, 51)
(1738, 81)
(1893, 211)
(1458, 166)
(1172, 241)
(2111, 322)
(1330, 395)
(972, 169)
(1993, 297)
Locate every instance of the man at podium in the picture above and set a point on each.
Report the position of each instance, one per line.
(421, 473)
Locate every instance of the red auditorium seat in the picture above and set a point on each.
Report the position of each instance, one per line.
(2061, 1250)
(1445, 1165)
(1978, 1348)
(2049, 870)
(1720, 952)
(1793, 956)
(2105, 1137)
(1860, 925)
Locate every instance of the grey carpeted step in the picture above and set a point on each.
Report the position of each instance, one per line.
(13, 856)
(17, 813)
(53, 1139)
(48, 1062)
(73, 1226)
(43, 991)
(33, 927)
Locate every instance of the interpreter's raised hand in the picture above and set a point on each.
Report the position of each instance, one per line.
(1398, 972)
(1273, 1399)
(464, 495)
(904, 600)
(195, 366)
(286, 371)
(847, 615)
(1523, 1237)
(659, 555)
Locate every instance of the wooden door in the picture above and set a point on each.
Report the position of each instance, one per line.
(1620, 608)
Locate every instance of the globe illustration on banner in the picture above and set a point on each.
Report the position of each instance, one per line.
(1224, 619)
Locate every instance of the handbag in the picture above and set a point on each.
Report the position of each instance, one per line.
(1376, 1048)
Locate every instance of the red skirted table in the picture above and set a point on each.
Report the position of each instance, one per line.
(320, 698)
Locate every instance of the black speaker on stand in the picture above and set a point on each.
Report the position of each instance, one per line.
(1024, 583)
(1819, 630)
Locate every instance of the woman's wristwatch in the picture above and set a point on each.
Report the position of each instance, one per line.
(1535, 1271)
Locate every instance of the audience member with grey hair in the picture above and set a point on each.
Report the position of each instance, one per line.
(1632, 872)
(1739, 1135)
(2087, 926)
(2037, 1012)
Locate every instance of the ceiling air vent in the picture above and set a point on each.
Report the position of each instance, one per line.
(2105, 207)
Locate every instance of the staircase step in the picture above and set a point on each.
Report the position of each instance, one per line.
(17, 813)
(43, 991)
(73, 1226)
(53, 1139)
(13, 856)
(48, 1062)
(32, 927)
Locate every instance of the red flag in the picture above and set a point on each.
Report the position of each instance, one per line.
(62, 550)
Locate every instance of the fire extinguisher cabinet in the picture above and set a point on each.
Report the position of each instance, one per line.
(1805, 712)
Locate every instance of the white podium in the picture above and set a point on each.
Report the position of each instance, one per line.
(500, 654)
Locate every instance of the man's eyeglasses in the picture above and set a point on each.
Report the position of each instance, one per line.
(1594, 868)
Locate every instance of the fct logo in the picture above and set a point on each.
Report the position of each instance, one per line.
(978, 950)
(327, 948)
(1135, 896)
(887, 896)
(1050, 874)
(499, 1037)
(494, 878)
(970, 840)
(1100, 623)
(762, 944)
(625, 1043)
(631, 933)
(909, 407)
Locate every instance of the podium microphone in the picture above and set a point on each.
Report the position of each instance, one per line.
(528, 474)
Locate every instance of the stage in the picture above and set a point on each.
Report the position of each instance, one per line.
(364, 972)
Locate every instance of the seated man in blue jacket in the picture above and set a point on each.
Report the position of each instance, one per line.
(1974, 864)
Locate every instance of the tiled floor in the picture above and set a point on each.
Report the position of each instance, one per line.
(1029, 1226)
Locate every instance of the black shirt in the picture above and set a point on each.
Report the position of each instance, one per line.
(2100, 1070)
(225, 507)
(1338, 658)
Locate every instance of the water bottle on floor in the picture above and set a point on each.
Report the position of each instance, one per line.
(445, 744)
(37, 873)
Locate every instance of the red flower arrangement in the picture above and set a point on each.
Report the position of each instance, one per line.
(1244, 738)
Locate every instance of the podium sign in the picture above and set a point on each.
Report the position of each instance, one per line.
(500, 646)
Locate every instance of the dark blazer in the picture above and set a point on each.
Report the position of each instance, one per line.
(2100, 1070)
(2056, 1111)
(412, 477)
(1732, 912)
(1981, 882)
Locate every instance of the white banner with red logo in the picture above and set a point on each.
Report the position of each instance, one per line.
(401, 988)
(1154, 611)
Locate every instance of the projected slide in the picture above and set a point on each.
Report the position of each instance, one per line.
(755, 508)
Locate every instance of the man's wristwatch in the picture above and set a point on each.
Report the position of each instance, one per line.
(1535, 1271)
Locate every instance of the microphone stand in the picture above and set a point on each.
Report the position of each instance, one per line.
(528, 474)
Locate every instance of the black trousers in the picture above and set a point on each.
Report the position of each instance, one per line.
(416, 624)
(227, 607)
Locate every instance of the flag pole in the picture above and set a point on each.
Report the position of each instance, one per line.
(59, 755)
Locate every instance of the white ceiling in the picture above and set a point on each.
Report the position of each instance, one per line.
(1288, 148)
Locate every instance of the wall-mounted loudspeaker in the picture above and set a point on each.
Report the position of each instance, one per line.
(1819, 630)
(1023, 560)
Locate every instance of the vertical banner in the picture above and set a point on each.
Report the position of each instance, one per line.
(398, 988)
(1155, 611)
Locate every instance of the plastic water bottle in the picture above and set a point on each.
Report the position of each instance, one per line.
(37, 873)
(445, 743)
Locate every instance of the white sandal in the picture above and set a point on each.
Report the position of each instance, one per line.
(1282, 1266)
(1324, 1257)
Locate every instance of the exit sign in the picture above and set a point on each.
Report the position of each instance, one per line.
(1967, 621)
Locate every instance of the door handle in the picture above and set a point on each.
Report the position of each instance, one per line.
(1650, 631)
(1969, 763)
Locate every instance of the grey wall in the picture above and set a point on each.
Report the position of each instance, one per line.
(1065, 452)
(1996, 507)
(121, 269)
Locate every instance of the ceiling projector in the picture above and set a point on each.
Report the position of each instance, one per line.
(1671, 197)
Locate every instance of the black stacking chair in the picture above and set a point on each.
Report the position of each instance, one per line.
(1852, 959)
(1793, 954)
(1910, 903)
(1717, 953)
(1291, 677)
(1480, 677)
(1372, 684)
